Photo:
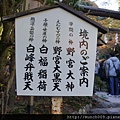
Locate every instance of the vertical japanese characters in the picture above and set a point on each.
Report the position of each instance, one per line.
(57, 50)
(83, 45)
(28, 76)
(42, 74)
(57, 58)
(70, 62)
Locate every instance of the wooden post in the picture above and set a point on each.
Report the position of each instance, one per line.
(56, 107)
(30, 105)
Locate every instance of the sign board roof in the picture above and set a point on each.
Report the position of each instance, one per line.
(61, 5)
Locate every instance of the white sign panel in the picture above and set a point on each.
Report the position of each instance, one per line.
(55, 54)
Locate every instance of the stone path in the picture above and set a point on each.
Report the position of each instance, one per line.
(106, 104)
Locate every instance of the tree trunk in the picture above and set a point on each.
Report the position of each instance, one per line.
(10, 82)
(12, 95)
(6, 45)
(31, 4)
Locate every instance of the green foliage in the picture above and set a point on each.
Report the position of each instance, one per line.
(119, 8)
(71, 2)
(5, 57)
(100, 18)
(85, 3)
(48, 2)
(19, 110)
(117, 50)
(7, 7)
(51, 2)
(99, 83)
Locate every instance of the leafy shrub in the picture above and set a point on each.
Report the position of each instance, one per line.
(99, 84)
